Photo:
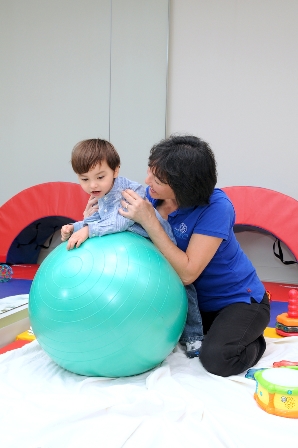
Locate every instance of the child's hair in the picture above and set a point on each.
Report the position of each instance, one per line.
(88, 153)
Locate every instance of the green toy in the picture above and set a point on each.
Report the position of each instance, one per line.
(112, 307)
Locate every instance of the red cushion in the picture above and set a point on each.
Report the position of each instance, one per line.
(49, 199)
(274, 212)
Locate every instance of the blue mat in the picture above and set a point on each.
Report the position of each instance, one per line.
(14, 287)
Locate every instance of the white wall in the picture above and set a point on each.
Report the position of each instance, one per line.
(54, 87)
(76, 69)
(139, 65)
(233, 73)
(233, 80)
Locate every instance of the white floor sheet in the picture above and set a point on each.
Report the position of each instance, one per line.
(178, 404)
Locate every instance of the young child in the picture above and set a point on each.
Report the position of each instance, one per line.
(97, 164)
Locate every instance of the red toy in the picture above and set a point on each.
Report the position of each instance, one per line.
(287, 323)
(285, 363)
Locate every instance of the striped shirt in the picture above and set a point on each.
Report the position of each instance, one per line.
(108, 220)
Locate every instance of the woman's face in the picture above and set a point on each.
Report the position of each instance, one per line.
(157, 189)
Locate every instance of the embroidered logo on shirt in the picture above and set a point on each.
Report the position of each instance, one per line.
(180, 232)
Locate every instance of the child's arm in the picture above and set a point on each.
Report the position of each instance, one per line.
(76, 228)
(77, 238)
(80, 231)
(111, 223)
(66, 232)
(110, 219)
(69, 229)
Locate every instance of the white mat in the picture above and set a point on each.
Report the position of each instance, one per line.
(176, 405)
(12, 302)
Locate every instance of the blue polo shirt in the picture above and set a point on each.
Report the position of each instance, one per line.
(230, 276)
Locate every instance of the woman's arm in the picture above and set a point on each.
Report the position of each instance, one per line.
(189, 264)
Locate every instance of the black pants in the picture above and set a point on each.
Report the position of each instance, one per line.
(234, 338)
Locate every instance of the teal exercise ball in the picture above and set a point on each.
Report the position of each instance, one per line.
(112, 307)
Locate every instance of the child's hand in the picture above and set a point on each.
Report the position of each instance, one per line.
(91, 207)
(66, 231)
(78, 238)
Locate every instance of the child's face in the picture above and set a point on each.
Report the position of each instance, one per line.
(99, 180)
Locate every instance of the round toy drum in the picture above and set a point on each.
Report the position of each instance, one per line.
(277, 391)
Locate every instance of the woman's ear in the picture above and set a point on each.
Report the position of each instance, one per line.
(116, 172)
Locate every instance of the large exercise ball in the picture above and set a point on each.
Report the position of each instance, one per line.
(112, 307)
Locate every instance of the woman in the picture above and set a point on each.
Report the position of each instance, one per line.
(232, 300)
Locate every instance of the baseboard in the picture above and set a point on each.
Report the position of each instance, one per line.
(12, 325)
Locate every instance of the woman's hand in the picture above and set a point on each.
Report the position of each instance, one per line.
(66, 232)
(136, 208)
(91, 207)
(189, 264)
(78, 238)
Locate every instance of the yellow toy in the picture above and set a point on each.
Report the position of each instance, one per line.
(277, 391)
(26, 336)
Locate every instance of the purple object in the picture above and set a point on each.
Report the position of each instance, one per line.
(5, 272)
(14, 287)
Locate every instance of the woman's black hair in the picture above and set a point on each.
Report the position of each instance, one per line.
(187, 164)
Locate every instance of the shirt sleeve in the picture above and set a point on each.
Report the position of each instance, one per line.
(77, 225)
(137, 228)
(113, 222)
(166, 226)
(138, 188)
(217, 219)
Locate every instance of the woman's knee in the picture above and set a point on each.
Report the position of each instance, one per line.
(215, 362)
(226, 360)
